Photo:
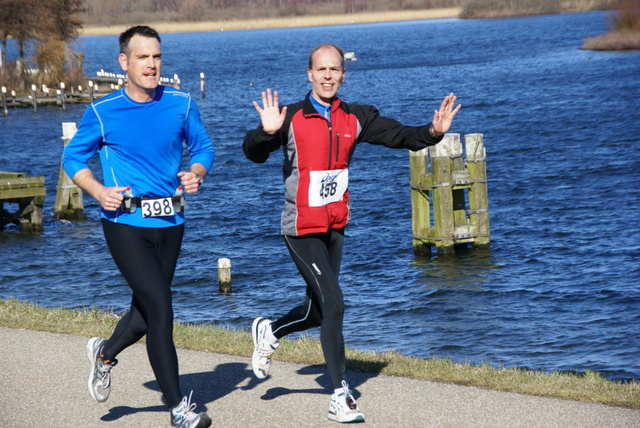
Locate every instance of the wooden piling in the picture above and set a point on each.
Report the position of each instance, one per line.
(478, 192)
(441, 155)
(224, 275)
(69, 203)
(442, 190)
(202, 85)
(420, 200)
(91, 96)
(63, 98)
(4, 102)
(34, 98)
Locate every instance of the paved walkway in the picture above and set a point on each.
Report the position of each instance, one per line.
(43, 379)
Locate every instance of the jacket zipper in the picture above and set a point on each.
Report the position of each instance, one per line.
(330, 144)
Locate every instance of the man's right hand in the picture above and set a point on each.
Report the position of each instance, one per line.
(270, 114)
(110, 198)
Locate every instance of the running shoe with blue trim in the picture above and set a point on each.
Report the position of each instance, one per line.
(263, 348)
(184, 416)
(343, 407)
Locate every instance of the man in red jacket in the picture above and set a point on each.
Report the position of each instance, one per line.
(318, 136)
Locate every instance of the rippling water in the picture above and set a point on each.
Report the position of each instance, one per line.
(557, 290)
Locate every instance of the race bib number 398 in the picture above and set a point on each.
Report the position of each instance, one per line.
(327, 186)
(157, 207)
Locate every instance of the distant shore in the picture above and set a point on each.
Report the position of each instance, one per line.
(297, 21)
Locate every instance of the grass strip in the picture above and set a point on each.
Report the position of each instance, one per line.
(588, 387)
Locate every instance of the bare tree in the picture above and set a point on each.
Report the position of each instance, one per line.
(64, 18)
(19, 20)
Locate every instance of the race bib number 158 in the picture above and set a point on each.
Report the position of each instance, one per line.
(327, 186)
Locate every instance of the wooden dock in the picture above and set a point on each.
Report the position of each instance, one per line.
(96, 87)
(28, 194)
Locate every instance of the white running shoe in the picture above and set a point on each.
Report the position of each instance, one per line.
(184, 416)
(343, 407)
(100, 375)
(262, 347)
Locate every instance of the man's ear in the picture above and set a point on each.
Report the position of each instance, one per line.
(122, 59)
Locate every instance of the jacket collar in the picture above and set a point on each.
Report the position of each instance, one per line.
(308, 109)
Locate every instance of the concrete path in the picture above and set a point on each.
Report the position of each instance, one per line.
(43, 383)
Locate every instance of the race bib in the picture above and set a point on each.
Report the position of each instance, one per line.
(157, 207)
(327, 186)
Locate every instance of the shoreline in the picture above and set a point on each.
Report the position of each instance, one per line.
(588, 387)
(288, 22)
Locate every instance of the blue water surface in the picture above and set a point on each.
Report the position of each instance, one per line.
(558, 289)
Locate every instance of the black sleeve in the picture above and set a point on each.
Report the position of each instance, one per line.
(258, 145)
(377, 129)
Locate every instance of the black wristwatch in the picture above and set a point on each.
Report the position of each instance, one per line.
(200, 179)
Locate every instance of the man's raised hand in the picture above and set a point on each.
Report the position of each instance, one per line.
(442, 118)
(270, 114)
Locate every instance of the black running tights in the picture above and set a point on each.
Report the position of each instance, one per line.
(318, 257)
(147, 259)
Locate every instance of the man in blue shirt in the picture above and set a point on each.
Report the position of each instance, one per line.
(139, 132)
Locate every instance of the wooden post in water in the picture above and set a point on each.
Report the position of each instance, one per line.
(441, 167)
(69, 203)
(224, 275)
(63, 97)
(4, 101)
(202, 85)
(420, 199)
(478, 192)
(91, 96)
(34, 98)
(442, 189)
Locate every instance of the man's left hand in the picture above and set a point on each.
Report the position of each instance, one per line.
(189, 181)
(442, 118)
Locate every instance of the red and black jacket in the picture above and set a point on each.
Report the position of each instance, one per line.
(312, 143)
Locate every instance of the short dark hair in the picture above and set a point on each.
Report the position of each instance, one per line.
(140, 30)
(325, 45)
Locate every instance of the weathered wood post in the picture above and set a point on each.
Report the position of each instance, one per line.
(459, 178)
(202, 85)
(476, 164)
(420, 200)
(34, 98)
(69, 203)
(224, 275)
(91, 96)
(4, 102)
(441, 167)
(442, 189)
(63, 96)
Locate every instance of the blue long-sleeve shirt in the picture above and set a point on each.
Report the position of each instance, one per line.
(140, 146)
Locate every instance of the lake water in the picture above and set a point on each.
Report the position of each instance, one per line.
(557, 290)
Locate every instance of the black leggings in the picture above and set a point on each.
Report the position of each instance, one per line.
(147, 259)
(318, 257)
